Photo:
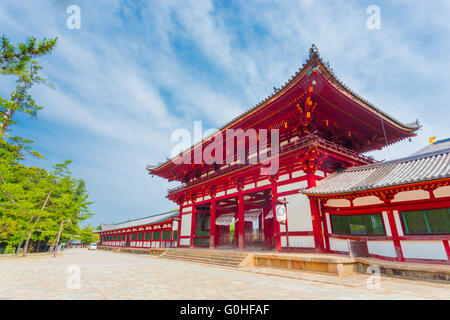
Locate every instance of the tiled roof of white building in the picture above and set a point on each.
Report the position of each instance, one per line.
(141, 222)
(430, 163)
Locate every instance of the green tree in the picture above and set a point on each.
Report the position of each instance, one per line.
(87, 235)
(33, 202)
(20, 61)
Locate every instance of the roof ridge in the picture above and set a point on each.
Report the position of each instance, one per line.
(404, 159)
(442, 141)
(156, 215)
(313, 54)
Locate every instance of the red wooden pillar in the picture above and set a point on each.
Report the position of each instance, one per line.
(276, 224)
(236, 228)
(266, 228)
(241, 217)
(315, 215)
(212, 229)
(180, 215)
(447, 248)
(171, 234)
(394, 231)
(192, 239)
(325, 228)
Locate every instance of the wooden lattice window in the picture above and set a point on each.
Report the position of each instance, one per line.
(362, 224)
(156, 236)
(166, 235)
(422, 222)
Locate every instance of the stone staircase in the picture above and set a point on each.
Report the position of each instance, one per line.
(215, 257)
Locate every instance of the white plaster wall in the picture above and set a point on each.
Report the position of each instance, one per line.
(382, 248)
(297, 174)
(186, 209)
(327, 216)
(387, 225)
(366, 201)
(338, 203)
(221, 193)
(411, 195)
(298, 213)
(186, 220)
(263, 183)
(249, 186)
(442, 192)
(234, 190)
(424, 249)
(298, 241)
(284, 177)
(320, 173)
(185, 242)
(292, 186)
(398, 222)
(338, 244)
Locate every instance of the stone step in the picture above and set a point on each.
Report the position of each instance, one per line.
(204, 258)
(206, 253)
(219, 263)
(173, 252)
(230, 259)
(236, 261)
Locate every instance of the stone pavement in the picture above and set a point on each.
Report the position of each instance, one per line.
(107, 275)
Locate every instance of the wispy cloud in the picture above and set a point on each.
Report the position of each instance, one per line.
(137, 70)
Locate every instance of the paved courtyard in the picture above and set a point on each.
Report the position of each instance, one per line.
(107, 275)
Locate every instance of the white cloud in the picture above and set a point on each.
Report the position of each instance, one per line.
(136, 71)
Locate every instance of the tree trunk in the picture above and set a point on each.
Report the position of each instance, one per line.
(57, 240)
(27, 242)
(25, 248)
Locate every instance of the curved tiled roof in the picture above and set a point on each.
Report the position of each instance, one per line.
(313, 54)
(142, 221)
(413, 169)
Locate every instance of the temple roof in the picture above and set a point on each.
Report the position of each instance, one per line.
(314, 54)
(438, 145)
(419, 167)
(141, 222)
(357, 108)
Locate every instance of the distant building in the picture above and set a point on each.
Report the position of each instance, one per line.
(150, 232)
(74, 244)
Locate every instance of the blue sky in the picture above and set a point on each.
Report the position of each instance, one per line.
(137, 70)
